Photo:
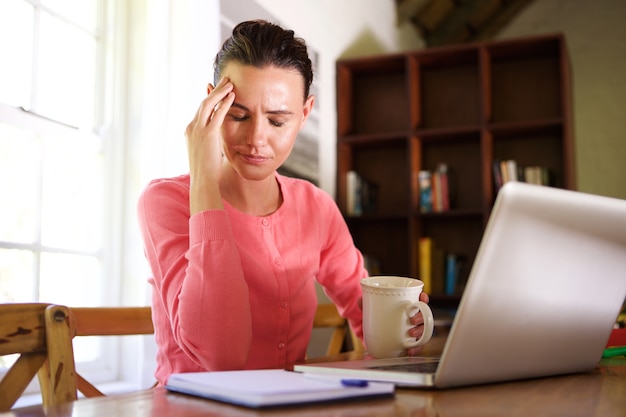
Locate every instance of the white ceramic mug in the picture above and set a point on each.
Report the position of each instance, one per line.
(388, 304)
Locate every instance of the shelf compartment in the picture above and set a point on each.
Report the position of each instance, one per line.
(537, 147)
(384, 240)
(458, 235)
(525, 80)
(462, 154)
(449, 88)
(374, 97)
(383, 164)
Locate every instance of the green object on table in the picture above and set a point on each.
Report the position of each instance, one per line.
(614, 351)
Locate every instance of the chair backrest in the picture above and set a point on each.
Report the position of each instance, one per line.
(40, 333)
(108, 321)
(118, 321)
(327, 315)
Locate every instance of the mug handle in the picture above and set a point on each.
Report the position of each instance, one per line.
(428, 324)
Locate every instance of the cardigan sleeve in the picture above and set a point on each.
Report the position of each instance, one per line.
(197, 276)
(341, 267)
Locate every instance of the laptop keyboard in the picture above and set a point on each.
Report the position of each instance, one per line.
(419, 367)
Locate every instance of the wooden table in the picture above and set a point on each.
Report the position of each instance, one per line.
(598, 393)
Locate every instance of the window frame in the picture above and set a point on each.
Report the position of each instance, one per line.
(112, 60)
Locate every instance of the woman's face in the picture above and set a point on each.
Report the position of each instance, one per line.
(267, 114)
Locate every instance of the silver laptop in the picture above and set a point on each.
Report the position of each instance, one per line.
(543, 295)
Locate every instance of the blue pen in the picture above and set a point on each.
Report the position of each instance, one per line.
(346, 382)
(361, 383)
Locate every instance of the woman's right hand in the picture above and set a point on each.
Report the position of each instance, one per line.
(204, 147)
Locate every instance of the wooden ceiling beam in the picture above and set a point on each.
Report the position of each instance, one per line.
(442, 22)
(434, 14)
(406, 9)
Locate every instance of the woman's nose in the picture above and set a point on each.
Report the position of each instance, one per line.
(257, 136)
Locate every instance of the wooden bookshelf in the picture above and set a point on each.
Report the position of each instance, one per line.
(464, 106)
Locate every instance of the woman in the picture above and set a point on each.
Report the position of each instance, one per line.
(234, 247)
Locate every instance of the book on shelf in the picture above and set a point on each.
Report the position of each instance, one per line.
(536, 175)
(361, 195)
(509, 170)
(435, 189)
(510, 166)
(273, 387)
(425, 245)
(444, 182)
(351, 186)
(498, 180)
(451, 274)
(441, 190)
(426, 191)
(437, 194)
(454, 265)
(431, 260)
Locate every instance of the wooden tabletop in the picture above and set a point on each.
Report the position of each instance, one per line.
(601, 392)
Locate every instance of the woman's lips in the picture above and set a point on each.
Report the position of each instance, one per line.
(254, 159)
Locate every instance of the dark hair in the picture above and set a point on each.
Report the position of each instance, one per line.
(260, 43)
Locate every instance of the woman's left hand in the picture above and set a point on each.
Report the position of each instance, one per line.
(416, 332)
(417, 320)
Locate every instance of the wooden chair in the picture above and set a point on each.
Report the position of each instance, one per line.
(108, 321)
(118, 321)
(41, 334)
(327, 315)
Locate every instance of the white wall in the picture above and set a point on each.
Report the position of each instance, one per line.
(170, 50)
(596, 36)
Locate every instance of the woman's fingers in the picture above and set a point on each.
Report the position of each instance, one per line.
(414, 351)
(214, 102)
(221, 110)
(416, 332)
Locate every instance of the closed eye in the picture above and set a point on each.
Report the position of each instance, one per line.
(275, 123)
(239, 118)
(244, 118)
(241, 113)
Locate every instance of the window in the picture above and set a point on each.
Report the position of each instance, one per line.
(55, 222)
(51, 231)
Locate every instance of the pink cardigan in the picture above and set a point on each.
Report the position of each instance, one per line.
(234, 291)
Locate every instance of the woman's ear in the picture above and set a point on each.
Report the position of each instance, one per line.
(209, 88)
(306, 111)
